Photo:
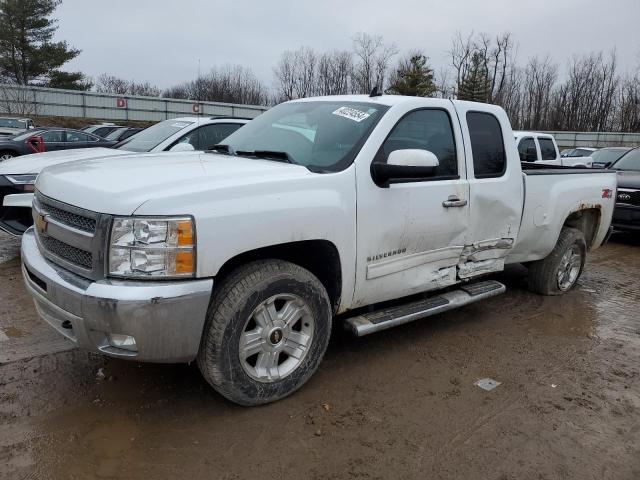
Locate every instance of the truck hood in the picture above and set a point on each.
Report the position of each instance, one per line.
(119, 186)
(34, 163)
(628, 179)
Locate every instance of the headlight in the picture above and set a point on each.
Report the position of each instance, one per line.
(24, 182)
(152, 247)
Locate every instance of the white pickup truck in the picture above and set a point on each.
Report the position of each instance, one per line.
(542, 149)
(243, 257)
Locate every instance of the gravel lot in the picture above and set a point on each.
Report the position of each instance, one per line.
(399, 404)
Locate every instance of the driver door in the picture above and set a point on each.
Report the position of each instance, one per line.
(410, 235)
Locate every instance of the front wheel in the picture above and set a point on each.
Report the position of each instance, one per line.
(266, 332)
(559, 271)
(6, 156)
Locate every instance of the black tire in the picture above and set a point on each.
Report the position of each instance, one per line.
(544, 274)
(232, 306)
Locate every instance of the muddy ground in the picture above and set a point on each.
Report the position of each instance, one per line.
(399, 404)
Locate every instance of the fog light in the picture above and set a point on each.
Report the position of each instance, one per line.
(125, 342)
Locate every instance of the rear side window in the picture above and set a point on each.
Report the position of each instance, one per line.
(547, 149)
(487, 145)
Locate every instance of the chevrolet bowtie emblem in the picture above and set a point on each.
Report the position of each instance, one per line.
(41, 223)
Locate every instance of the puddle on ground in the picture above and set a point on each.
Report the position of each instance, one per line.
(13, 332)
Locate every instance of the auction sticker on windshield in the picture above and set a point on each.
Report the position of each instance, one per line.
(352, 114)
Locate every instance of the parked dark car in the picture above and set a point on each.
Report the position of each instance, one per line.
(122, 133)
(52, 139)
(626, 215)
(102, 130)
(605, 157)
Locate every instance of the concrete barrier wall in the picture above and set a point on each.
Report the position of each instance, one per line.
(596, 139)
(38, 101)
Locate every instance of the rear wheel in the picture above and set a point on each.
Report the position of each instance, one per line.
(559, 271)
(267, 329)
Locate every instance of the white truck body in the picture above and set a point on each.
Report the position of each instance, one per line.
(546, 151)
(383, 241)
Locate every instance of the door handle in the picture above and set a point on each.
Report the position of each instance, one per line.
(453, 201)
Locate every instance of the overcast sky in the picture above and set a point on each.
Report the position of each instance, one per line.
(162, 41)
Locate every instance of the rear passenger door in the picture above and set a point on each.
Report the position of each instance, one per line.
(496, 189)
(53, 140)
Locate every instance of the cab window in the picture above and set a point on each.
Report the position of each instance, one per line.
(487, 145)
(547, 149)
(428, 129)
(527, 150)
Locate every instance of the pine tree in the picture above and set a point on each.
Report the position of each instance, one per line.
(475, 85)
(27, 53)
(413, 76)
(69, 81)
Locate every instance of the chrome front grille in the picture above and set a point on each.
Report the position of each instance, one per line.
(70, 236)
(72, 219)
(69, 253)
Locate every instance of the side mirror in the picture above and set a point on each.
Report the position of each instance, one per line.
(607, 165)
(182, 147)
(405, 166)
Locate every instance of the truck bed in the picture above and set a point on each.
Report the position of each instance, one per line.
(553, 194)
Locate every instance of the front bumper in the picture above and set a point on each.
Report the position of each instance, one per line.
(166, 318)
(626, 217)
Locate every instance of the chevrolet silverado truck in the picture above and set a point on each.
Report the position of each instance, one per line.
(371, 211)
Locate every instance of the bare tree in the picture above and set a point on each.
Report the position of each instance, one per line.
(584, 100)
(230, 84)
(305, 77)
(628, 114)
(539, 79)
(373, 60)
(335, 70)
(286, 76)
(111, 84)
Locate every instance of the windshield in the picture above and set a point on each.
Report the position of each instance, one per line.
(320, 135)
(631, 161)
(150, 138)
(115, 134)
(13, 123)
(608, 155)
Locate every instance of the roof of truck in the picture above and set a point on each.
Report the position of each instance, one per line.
(523, 133)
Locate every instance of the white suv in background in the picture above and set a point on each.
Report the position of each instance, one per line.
(18, 175)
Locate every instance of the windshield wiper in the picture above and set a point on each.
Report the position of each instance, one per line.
(268, 155)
